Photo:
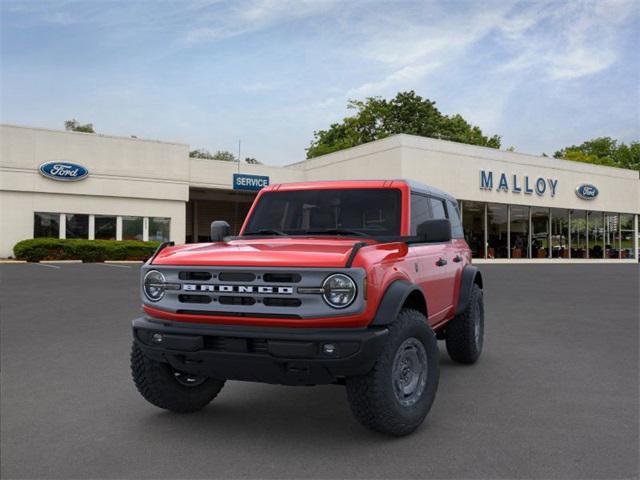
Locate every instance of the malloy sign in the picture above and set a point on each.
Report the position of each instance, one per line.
(515, 183)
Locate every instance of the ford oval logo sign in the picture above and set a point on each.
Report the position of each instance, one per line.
(586, 191)
(64, 171)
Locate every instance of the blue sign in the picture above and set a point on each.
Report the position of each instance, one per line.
(518, 183)
(249, 182)
(586, 191)
(63, 171)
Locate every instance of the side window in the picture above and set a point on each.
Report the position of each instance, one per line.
(420, 211)
(438, 208)
(454, 218)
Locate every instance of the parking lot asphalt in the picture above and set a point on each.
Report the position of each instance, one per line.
(555, 394)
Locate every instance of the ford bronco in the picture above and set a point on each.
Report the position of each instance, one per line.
(343, 282)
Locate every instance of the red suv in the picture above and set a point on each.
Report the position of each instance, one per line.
(345, 282)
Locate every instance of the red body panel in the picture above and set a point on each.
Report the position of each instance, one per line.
(383, 262)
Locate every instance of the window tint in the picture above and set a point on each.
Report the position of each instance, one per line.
(454, 218)
(438, 208)
(159, 229)
(420, 211)
(46, 225)
(371, 211)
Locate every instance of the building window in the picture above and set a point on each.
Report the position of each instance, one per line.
(497, 228)
(420, 211)
(595, 235)
(626, 236)
(539, 232)
(611, 235)
(578, 234)
(77, 226)
(159, 229)
(559, 233)
(46, 225)
(473, 225)
(132, 228)
(105, 227)
(519, 231)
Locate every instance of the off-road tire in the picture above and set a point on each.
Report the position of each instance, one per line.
(372, 396)
(464, 342)
(157, 383)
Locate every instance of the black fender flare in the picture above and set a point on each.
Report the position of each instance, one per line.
(470, 276)
(392, 300)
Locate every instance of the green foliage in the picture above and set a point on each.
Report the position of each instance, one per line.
(604, 151)
(36, 249)
(75, 126)
(219, 155)
(377, 118)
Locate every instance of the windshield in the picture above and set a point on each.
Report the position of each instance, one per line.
(358, 212)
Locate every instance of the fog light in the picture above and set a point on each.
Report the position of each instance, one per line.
(156, 338)
(329, 348)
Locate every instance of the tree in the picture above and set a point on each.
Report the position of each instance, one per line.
(377, 118)
(75, 126)
(219, 155)
(252, 161)
(604, 151)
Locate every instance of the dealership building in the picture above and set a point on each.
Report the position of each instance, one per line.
(515, 207)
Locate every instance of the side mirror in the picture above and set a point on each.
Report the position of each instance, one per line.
(219, 230)
(435, 231)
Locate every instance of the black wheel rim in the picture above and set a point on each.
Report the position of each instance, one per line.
(188, 379)
(410, 371)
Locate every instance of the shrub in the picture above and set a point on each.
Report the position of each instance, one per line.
(37, 249)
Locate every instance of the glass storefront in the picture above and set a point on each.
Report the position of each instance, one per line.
(105, 227)
(578, 234)
(132, 228)
(159, 229)
(626, 236)
(77, 226)
(540, 240)
(595, 234)
(473, 224)
(497, 230)
(46, 225)
(559, 233)
(517, 231)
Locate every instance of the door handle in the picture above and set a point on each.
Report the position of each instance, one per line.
(457, 259)
(441, 262)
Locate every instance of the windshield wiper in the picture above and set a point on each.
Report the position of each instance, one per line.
(266, 231)
(336, 231)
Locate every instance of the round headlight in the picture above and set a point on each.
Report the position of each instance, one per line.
(154, 285)
(339, 290)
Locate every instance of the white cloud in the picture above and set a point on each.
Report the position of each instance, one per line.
(405, 77)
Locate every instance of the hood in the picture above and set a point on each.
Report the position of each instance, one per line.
(270, 252)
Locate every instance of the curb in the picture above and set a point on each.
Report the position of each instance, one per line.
(60, 261)
(7, 261)
(134, 262)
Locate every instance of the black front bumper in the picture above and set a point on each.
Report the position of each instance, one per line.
(261, 354)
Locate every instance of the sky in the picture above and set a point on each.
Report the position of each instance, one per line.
(542, 74)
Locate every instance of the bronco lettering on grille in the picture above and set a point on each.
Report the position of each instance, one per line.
(191, 287)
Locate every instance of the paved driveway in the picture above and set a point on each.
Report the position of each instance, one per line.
(555, 394)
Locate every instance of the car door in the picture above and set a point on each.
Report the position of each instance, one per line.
(448, 260)
(430, 268)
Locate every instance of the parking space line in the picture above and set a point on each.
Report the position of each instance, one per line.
(114, 265)
(47, 265)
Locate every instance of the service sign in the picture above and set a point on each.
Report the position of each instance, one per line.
(63, 171)
(242, 181)
(586, 191)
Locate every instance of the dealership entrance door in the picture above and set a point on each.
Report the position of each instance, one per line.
(206, 205)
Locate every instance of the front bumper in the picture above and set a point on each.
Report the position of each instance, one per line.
(260, 354)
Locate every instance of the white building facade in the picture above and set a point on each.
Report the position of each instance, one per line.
(515, 207)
